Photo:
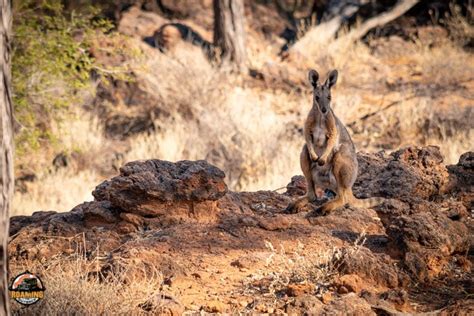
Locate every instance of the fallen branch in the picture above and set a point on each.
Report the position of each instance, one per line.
(327, 30)
(379, 20)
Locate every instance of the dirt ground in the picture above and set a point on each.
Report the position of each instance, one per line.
(218, 251)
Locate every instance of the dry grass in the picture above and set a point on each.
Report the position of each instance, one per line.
(71, 289)
(214, 118)
(62, 189)
(59, 191)
(251, 132)
(445, 64)
(283, 267)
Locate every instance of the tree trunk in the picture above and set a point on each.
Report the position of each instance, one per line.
(229, 32)
(6, 150)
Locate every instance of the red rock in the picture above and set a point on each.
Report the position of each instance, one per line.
(327, 297)
(154, 188)
(412, 172)
(215, 306)
(352, 282)
(100, 213)
(306, 303)
(134, 219)
(296, 187)
(278, 222)
(187, 221)
(295, 290)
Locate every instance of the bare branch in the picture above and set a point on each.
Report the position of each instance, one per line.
(384, 18)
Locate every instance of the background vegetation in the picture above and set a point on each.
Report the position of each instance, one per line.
(90, 94)
(53, 68)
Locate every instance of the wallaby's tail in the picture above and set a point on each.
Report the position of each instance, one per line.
(367, 203)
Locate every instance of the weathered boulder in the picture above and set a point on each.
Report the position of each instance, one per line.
(375, 268)
(100, 213)
(18, 222)
(424, 227)
(412, 172)
(156, 187)
(462, 179)
(349, 304)
(45, 234)
(426, 235)
(463, 171)
(297, 186)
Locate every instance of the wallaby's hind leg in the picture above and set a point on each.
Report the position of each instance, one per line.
(305, 162)
(345, 172)
(338, 202)
(302, 203)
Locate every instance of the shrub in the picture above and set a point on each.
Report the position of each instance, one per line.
(52, 66)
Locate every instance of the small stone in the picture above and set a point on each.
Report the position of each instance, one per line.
(99, 214)
(125, 228)
(326, 298)
(248, 221)
(274, 223)
(352, 283)
(261, 308)
(134, 219)
(215, 306)
(244, 262)
(295, 290)
(243, 303)
(342, 290)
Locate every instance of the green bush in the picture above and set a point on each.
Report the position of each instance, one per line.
(51, 65)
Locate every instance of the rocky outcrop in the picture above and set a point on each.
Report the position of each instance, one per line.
(180, 218)
(155, 187)
(410, 173)
(425, 236)
(463, 172)
(462, 179)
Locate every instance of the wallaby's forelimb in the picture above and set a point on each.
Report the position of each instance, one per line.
(332, 136)
(308, 136)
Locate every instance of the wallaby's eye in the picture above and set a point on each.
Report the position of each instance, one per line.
(317, 98)
(329, 97)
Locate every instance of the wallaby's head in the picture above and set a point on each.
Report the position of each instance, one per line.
(322, 92)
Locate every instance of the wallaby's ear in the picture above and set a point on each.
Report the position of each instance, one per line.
(313, 77)
(332, 79)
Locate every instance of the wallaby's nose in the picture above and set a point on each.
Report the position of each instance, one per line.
(324, 110)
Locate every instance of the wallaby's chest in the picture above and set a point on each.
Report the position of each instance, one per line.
(319, 135)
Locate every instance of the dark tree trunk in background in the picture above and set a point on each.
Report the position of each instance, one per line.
(229, 32)
(6, 150)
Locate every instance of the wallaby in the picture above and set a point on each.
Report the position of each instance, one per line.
(328, 159)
